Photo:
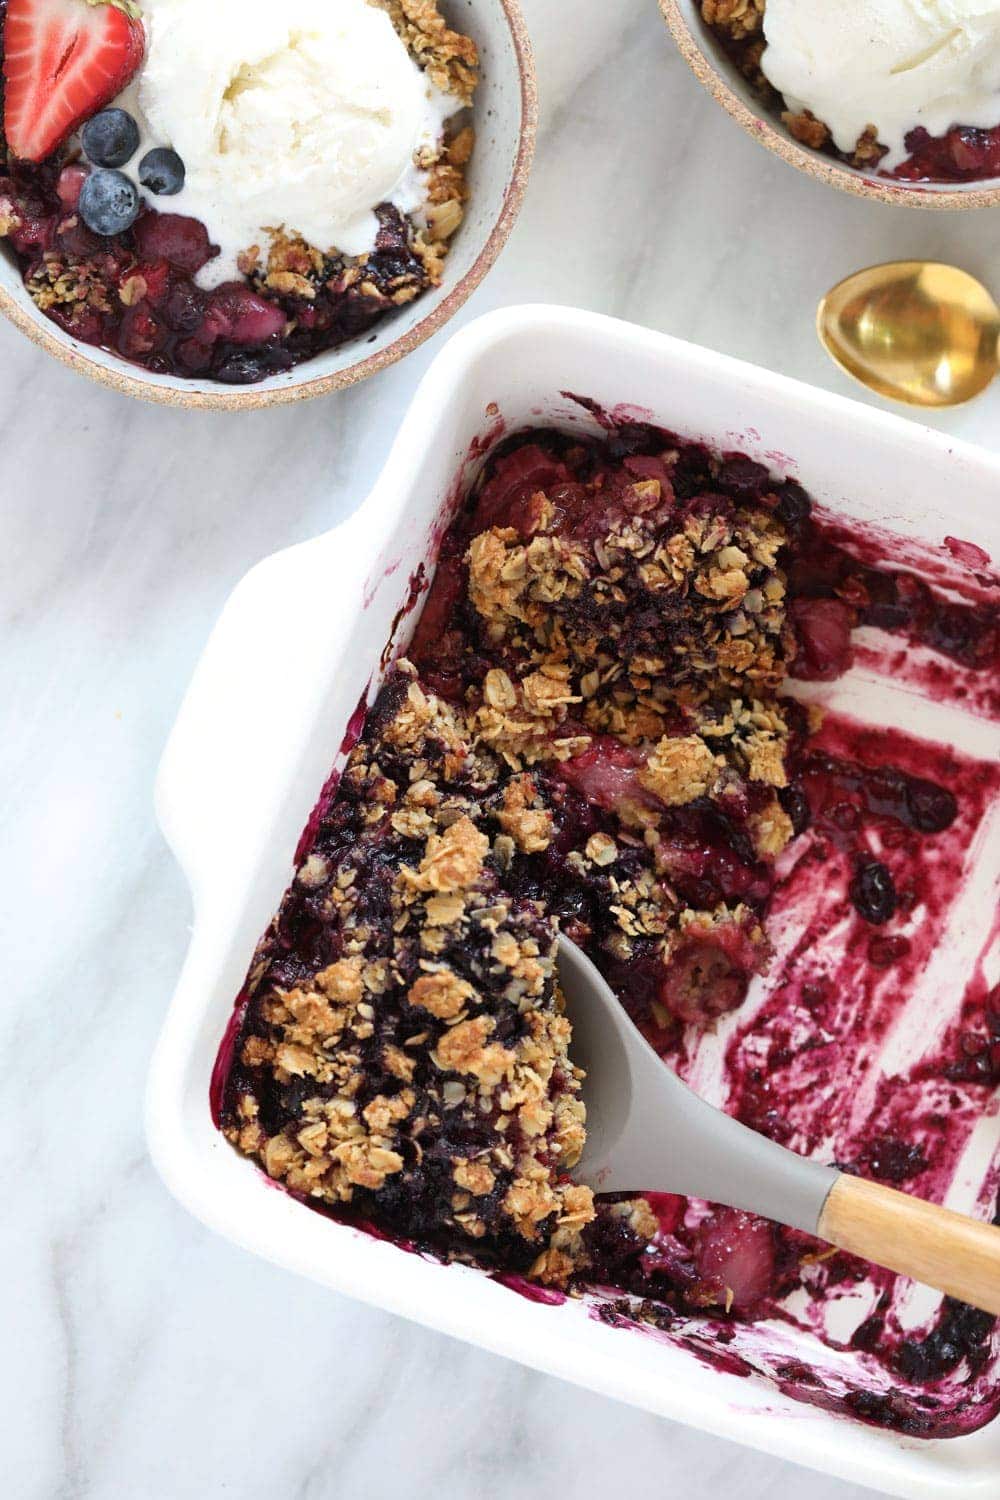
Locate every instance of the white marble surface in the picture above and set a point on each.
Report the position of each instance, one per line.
(141, 1355)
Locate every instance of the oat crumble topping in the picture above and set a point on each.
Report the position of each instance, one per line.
(449, 58)
(590, 706)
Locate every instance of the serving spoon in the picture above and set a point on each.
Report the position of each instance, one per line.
(913, 330)
(647, 1131)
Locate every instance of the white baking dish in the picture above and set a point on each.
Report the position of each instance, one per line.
(296, 647)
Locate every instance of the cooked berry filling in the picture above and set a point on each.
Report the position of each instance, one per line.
(964, 154)
(834, 591)
(589, 737)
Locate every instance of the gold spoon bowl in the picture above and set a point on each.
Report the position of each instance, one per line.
(913, 330)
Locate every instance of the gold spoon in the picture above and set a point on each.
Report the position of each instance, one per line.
(913, 330)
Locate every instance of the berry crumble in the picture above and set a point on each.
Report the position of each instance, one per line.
(224, 191)
(911, 90)
(590, 734)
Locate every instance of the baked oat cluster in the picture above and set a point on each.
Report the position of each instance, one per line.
(449, 58)
(424, 1072)
(587, 739)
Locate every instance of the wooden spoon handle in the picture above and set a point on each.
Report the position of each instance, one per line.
(942, 1249)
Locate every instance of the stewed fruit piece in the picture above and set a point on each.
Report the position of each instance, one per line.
(64, 60)
(708, 972)
(162, 172)
(70, 185)
(182, 241)
(823, 633)
(111, 138)
(238, 314)
(109, 202)
(735, 1260)
(606, 774)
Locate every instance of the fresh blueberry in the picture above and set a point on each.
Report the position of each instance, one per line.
(109, 203)
(111, 138)
(162, 171)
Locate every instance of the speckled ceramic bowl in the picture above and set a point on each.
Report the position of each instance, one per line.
(724, 82)
(505, 117)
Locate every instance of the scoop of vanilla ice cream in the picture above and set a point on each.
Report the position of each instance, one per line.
(296, 113)
(894, 64)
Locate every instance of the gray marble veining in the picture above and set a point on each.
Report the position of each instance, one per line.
(142, 1356)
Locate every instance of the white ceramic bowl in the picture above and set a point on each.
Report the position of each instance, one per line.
(713, 69)
(505, 117)
(236, 788)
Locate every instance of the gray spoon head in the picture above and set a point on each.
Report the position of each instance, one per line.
(647, 1131)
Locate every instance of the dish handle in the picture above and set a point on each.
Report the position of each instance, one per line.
(255, 696)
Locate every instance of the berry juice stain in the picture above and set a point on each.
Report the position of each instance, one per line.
(864, 904)
(859, 1053)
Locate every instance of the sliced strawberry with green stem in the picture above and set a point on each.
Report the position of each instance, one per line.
(63, 61)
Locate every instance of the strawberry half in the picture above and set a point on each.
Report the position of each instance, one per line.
(63, 61)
